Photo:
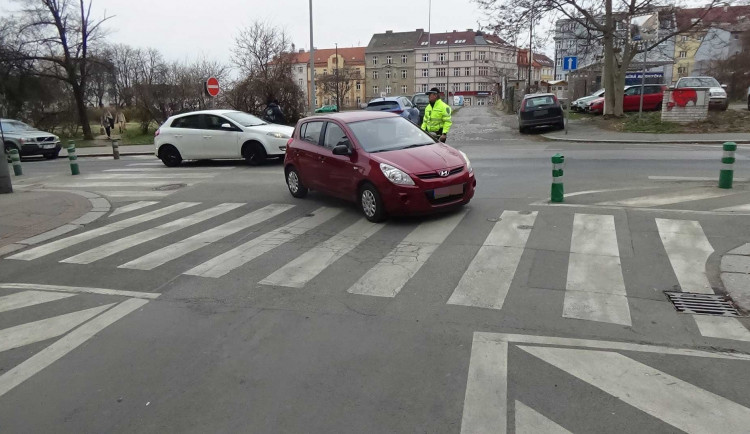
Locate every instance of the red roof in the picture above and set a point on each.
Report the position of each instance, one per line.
(452, 38)
(353, 55)
(715, 15)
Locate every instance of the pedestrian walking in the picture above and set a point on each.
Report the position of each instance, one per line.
(107, 121)
(121, 121)
(274, 113)
(437, 116)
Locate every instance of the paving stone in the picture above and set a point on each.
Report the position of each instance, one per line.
(735, 264)
(738, 287)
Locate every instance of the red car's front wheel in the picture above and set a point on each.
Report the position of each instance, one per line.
(371, 204)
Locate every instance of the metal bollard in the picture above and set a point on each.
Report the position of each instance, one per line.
(116, 149)
(73, 159)
(557, 194)
(727, 165)
(15, 158)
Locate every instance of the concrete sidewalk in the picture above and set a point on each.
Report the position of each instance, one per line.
(106, 151)
(735, 273)
(591, 134)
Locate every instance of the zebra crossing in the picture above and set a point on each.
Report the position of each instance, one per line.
(239, 234)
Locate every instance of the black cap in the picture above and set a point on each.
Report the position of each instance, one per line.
(434, 90)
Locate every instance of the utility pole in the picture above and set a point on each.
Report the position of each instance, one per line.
(531, 41)
(448, 69)
(6, 186)
(429, 41)
(336, 71)
(312, 64)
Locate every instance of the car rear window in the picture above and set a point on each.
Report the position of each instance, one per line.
(382, 106)
(539, 101)
(421, 99)
(698, 82)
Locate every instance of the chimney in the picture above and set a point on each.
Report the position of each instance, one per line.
(301, 50)
(469, 30)
(454, 31)
(420, 30)
(388, 32)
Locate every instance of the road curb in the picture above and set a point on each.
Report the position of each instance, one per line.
(99, 207)
(735, 275)
(623, 141)
(122, 154)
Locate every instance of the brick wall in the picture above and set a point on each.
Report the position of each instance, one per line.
(685, 105)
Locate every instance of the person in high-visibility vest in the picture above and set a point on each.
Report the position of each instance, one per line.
(437, 116)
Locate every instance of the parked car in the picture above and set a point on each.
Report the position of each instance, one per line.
(420, 101)
(580, 104)
(378, 160)
(395, 104)
(653, 98)
(28, 141)
(217, 134)
(538, 110)
(717, 95)
(327, 109)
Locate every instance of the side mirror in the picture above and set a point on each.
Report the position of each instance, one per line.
(670, 87)
(226, 126)
(723, 86)
(341, 150)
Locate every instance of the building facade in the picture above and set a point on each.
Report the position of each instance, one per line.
(351, 66)
(469, 64)
(390, 63)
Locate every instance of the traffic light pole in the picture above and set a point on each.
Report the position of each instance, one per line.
(6, 186)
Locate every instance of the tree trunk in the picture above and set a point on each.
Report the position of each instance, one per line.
(83, 116)
(609, 61)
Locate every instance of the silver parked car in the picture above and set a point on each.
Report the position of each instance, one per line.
(28, 141)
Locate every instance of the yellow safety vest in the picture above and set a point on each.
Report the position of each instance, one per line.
(437, 119)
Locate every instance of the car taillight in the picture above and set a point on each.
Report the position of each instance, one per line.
(157, 132)
(398, 111)
(554, 97)
(523, 105)
(289, 142)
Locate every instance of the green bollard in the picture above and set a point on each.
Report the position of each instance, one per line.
(116, 149)
(73, 159)
(557, 194)
(727, 165)
(15, 158)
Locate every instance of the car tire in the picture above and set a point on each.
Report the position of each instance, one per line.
(170, 156)
(522, 130)
(658, 107)
(371, 204)
(294, 183)
(254, 153)
(51, 156)
(561, 125)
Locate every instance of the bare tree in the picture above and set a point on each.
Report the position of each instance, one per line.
(333, 85)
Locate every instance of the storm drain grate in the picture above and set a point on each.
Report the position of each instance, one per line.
(702, 304)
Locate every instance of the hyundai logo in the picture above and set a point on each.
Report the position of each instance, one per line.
(443, 173)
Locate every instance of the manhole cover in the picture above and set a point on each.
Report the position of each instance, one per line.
(169, 187)
(702, 304)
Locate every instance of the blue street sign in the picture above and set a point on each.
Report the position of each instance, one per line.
(570, 63)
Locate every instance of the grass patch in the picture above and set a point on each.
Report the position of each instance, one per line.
(650, 122)
(576, 116)
(133, 135)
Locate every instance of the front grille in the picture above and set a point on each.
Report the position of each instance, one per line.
(435, 174)
(45, 139)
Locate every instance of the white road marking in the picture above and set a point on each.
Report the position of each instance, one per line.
(133, 207)
(144, 194)
(744, 207)
(487, 280)
(63, 243)
(530, 421)
(250, 250)
(125, 243)
(37, 331)
(66, 344)
(79, 289)
(595, 288)
(116, 176)
(650, 390)
(486, 399)
(305, 267)
(688, 250)
(29, 298)
(107, 184)
(165, 170)
(388, 276)
(722, 327)
(671, 198)
(153, 163)
(692, 178)
(182, 248)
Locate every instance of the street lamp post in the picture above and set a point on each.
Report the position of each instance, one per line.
(6, 186)
(336, 72)
(312, 64)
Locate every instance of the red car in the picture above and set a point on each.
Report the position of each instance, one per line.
(381, 161)
(631, 101)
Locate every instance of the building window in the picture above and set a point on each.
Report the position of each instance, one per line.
(440, 72)
(404, 58)
(388, 59)
(483, 70)
(482, 87)
(683, 38)
(404, 89)
(388, 73)
(571, 43)
(467, 72)
(300, 82)
(387, 90)
(456, 87)
(482, 55)
(683, 54)
(359, 100)
(467, 87)
(467, 55)
(425, 57)
(325, 72)
(375, 75)
(359, 86)
(346, 101)
(374, 60)
(441, 57)
(299, 69)
(681, 70)
(457, 55)
(423, 88)
(425, 73)
(375, 90)
(456, 72)
(404, 73)
(559, 62)
(441, 87)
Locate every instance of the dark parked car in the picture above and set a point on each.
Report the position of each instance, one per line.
(420, 101)
(28, 140)
(395, 104)
(539, 110)
(381, 161)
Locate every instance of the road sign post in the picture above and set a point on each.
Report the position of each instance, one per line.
(212, 88)
(6, 185)
(570, 63)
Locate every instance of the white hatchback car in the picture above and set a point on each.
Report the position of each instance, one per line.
(217, 134)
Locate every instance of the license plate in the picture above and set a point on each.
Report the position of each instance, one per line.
(448, 191)
(540, 112)
(48, 146)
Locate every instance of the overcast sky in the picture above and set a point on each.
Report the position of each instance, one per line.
(188, 29)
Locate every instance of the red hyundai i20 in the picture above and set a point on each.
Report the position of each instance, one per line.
(383, 162)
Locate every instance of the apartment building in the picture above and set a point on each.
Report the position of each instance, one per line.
(390, 63)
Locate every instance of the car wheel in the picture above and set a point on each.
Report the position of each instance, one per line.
(170, 156)
(51, 156)
(371, 204)
(658, 107)
(522, 130)
(254, 153)
(561, 125)
(294, 183)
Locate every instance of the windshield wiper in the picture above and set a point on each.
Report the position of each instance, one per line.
(418, 145)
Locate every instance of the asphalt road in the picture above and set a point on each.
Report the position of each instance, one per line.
(210, 300)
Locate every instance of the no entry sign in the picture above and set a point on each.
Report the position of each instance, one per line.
(212, 86)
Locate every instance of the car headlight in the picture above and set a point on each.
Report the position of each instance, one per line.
(279, 135)
(721, 94)
(468, 163)
(396, 176)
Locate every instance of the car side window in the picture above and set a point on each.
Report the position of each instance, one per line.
(311, 132)
(187, 122)
(334, 136)
(213, 122)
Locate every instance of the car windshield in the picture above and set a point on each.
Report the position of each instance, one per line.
(382, 106)
(9, 126)
(599, 92)
(245, 119)
(421, 99)
(388, 134)
(698, 82)
(540, 100)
